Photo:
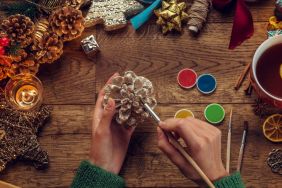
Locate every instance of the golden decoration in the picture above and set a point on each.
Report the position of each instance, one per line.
(274, 24)
(272, 128)
(171, 15)
(41, 27)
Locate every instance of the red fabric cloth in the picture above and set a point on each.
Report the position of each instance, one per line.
(243, 27)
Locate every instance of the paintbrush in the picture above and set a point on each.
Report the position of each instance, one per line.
(228, 150)
(179, 147)
(243, 143)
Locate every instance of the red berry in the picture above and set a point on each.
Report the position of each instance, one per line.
(2, 50)
(5, 41)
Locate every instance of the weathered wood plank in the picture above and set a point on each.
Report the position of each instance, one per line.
(159, 58)
(67, 139)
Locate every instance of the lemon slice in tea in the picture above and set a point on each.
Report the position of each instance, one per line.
(272, 128)
(280, 71)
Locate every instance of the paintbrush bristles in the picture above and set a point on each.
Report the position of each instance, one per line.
(246, 126)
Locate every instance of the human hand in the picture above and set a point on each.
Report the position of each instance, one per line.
(109, 140)
(203, 145)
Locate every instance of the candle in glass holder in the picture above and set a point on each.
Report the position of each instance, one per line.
(24, 92)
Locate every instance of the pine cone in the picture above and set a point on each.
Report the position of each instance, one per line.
(67, 22)
(49, 49)
(129, 91)
(23, 63)
(21, 55)
(5, 65)
(19, 28)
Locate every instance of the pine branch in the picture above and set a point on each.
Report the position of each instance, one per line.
(23, 8)
(12, 49)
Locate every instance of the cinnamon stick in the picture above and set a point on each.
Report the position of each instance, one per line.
(242, 77)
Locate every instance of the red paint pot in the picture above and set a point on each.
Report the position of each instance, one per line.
(187, 78)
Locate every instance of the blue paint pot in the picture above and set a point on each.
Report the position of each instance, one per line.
(206, 83)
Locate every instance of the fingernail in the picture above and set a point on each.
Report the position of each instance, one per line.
(110, 105)
(161, 123)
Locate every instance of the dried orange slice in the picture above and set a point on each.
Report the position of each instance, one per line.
(272, 128)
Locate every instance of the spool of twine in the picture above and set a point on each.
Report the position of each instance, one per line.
(198, 14)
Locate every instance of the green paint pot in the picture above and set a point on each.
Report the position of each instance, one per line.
(214, 113)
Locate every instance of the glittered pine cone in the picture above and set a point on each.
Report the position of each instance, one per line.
(19, 28)
(49, 49)
(129, 91)
(67, 22)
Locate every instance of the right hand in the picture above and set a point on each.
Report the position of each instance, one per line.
(203, 145)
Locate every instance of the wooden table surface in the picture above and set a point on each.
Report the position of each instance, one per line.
(71, 86)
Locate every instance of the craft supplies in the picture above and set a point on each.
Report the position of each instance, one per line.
(90, 46)
(243, 143)
(183, 113)
(20, 136)
(111, 13)
(242, 76)
(272, 128)
(206, 83)
(127, 91)
(179, 147)
(274, 161)
(138, 20)
(228, 150)
(274, 33)
(187, 78)
(24, 92)
(214, 113)
(172, 15)
(197, 15)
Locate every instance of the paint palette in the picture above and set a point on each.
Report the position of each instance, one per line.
(206, 84)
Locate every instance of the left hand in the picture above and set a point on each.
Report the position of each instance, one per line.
(109, 140)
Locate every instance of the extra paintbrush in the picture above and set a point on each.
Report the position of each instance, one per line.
(179, 147)
(228, 150)
(243, 143)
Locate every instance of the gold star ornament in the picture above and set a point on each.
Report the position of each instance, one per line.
(111, 13)
(171, 15)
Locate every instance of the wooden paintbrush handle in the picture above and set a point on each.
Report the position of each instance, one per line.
(179, 147)
(228, 152)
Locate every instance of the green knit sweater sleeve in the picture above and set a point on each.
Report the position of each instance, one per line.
(232, 181)
(91, 176)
